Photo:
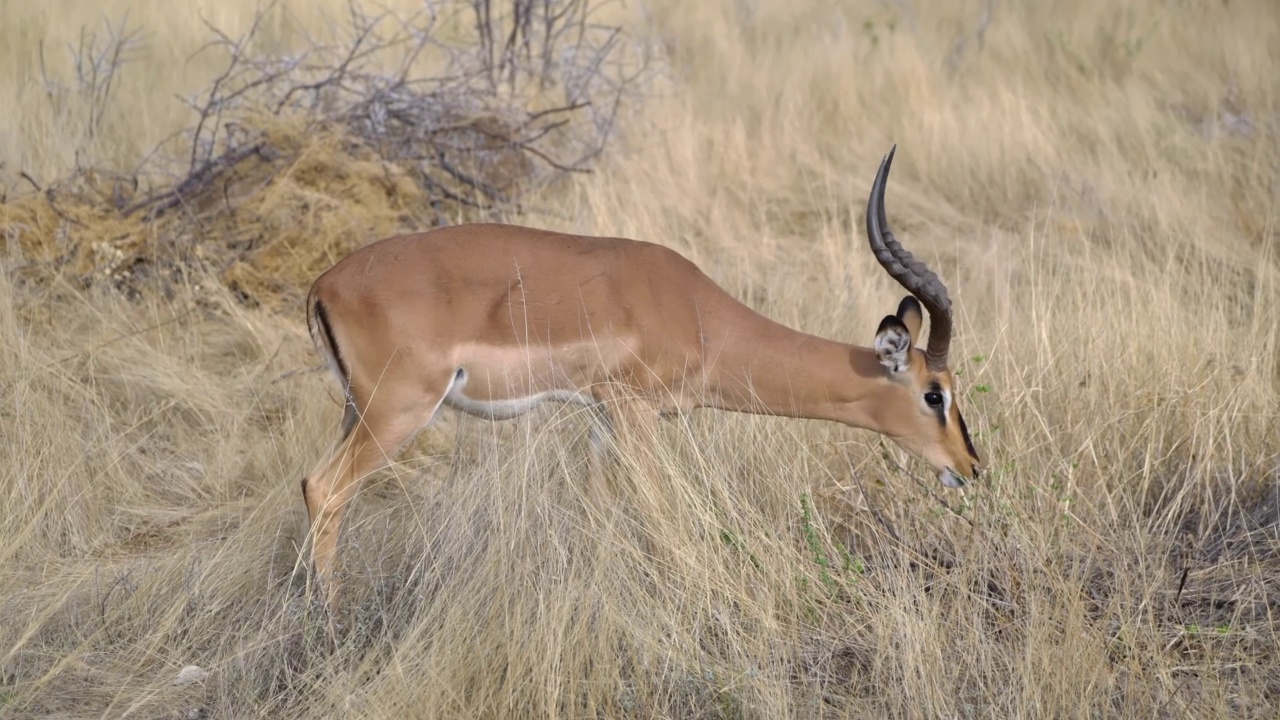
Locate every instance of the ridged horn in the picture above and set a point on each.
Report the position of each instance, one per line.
(912, 274)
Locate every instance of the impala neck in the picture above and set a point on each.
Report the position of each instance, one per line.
(767, 368)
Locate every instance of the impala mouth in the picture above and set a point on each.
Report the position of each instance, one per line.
(950, 478)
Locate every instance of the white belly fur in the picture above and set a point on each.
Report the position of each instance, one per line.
(509, 407)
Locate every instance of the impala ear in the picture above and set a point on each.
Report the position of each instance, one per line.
(893, 344)
(911, 315)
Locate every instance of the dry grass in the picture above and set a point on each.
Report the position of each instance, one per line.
(1099, 187)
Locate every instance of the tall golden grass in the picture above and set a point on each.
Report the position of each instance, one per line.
(1096, 182)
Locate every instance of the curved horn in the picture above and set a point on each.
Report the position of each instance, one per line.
(912, 274)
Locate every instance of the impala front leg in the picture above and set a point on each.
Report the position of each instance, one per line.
(634, 421)
(627, 425)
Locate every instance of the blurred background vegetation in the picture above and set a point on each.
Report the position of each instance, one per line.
(1096, 182)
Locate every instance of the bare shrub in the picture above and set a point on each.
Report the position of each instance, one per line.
(457, 111)
(97, 58)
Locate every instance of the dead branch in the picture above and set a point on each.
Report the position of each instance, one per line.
(875, 509)
(25, 176)
(472, 111)
(195, 182)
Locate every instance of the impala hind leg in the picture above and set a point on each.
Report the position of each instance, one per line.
(366, 444)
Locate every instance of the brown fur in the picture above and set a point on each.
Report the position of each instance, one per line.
(631, 326)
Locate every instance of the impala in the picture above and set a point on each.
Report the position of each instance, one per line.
(494, 319)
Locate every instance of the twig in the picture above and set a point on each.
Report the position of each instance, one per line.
(546, 159)
(122, 336)
(448, 194)
(477, 185)
(50, 196)
(237, 58)
(1182, 583)
(23, 174)
(875, 511)
(929, 491)
(298, 371)
(206, 174)
(337, 74)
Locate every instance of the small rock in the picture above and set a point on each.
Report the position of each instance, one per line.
(190, 674)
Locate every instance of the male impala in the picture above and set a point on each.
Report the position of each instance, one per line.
(494, 319)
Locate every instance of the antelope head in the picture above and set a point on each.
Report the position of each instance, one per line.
(923, 417)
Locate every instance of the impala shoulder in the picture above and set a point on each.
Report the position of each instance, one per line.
(661, 258)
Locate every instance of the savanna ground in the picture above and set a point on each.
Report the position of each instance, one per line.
(1097, 183)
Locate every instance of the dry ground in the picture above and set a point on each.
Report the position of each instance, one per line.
(1099, 185)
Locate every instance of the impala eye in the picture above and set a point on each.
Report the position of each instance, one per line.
(933, 398)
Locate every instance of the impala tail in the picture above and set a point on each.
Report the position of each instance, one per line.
(321, 331)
